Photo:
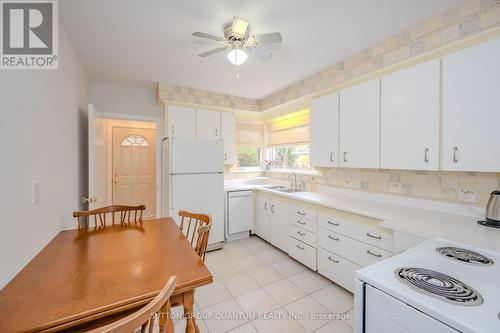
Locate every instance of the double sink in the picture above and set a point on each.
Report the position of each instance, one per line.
(284, 189)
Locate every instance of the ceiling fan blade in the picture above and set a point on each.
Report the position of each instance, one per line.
(240, 26)
(209, 36)
(260, 53)
(273, 37)
(212, 52)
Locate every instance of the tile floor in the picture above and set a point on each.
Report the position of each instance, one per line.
(258, 288)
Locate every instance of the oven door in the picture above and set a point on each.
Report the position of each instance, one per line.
(384, 313)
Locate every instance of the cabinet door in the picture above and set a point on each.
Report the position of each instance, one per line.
(262, 208)
(228, 131)
(471, 109)
(360, 126)
(181, 122)
(325, 131)
(410, 118)
(208, 125)
(280, 224)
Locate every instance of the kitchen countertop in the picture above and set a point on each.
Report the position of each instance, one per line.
(418, 217)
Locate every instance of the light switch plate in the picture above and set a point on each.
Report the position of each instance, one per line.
(467, 195)
(35, 189)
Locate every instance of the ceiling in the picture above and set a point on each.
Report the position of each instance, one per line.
(141, 42)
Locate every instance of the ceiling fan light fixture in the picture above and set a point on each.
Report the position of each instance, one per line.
(237, 56)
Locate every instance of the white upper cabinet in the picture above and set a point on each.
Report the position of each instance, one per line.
(180, 122)
(471, 109)
(324, 124)
(228, 135)
(360, 126)
(410, 105)
(208, 125)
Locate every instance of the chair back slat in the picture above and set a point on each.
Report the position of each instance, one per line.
(197, 230)
(99, 215)
(158, 307)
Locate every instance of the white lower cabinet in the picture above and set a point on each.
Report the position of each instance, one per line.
(333, 242)
(337, 269)
(303, 253)
(279, 212)
(271, 219)
(359, 252)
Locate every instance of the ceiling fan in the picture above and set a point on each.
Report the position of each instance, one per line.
(238, 42)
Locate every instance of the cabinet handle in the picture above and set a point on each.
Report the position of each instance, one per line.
(426, 155)
(225, 156)
(334, 260)
(300, 222)
(455, 159)
(265, 206)
(333, 238)
(331, 157)
(345, 156)
(173, 129)
(373, 236)
(333, 223)
(300, 247)
(374, 254)
(272, 209)
(216, 132)
(300, 213)
(301, 233)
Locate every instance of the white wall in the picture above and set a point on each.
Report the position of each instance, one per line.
(122, 99)
(42, 137)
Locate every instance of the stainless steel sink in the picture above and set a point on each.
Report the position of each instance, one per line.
(290, 190)
(275, 187)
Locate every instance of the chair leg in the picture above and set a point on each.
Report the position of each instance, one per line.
(166, 322)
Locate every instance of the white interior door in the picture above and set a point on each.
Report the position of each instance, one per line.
(97, 159)
(134, 168)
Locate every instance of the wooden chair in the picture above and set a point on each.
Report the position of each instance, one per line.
(158, 307)
(198, 227)
(100, 213)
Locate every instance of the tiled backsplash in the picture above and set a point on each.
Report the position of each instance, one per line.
(433, 185)
(468, 19)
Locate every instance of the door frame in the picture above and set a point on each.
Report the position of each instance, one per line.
(159, 136)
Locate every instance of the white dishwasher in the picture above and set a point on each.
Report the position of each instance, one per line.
(239, 214)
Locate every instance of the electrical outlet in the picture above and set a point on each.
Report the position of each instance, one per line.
(35, 192)
(467, 195)
(395, 187)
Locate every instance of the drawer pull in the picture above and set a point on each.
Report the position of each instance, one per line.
(334, 260)
(301, 233)
(300, 222)
(374, 254)
(333, 223)
(373, 236)
(300, 247)
(301, 213)
(334, 238)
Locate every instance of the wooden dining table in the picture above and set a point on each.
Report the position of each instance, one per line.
(86, 278)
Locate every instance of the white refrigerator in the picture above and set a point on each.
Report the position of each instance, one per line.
(193, 180)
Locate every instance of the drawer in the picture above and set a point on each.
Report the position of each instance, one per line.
(303, 253)
(312, 226)
(365, 232)
(303, 235)
(303, 213)
(337, 269)
(351, 249)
